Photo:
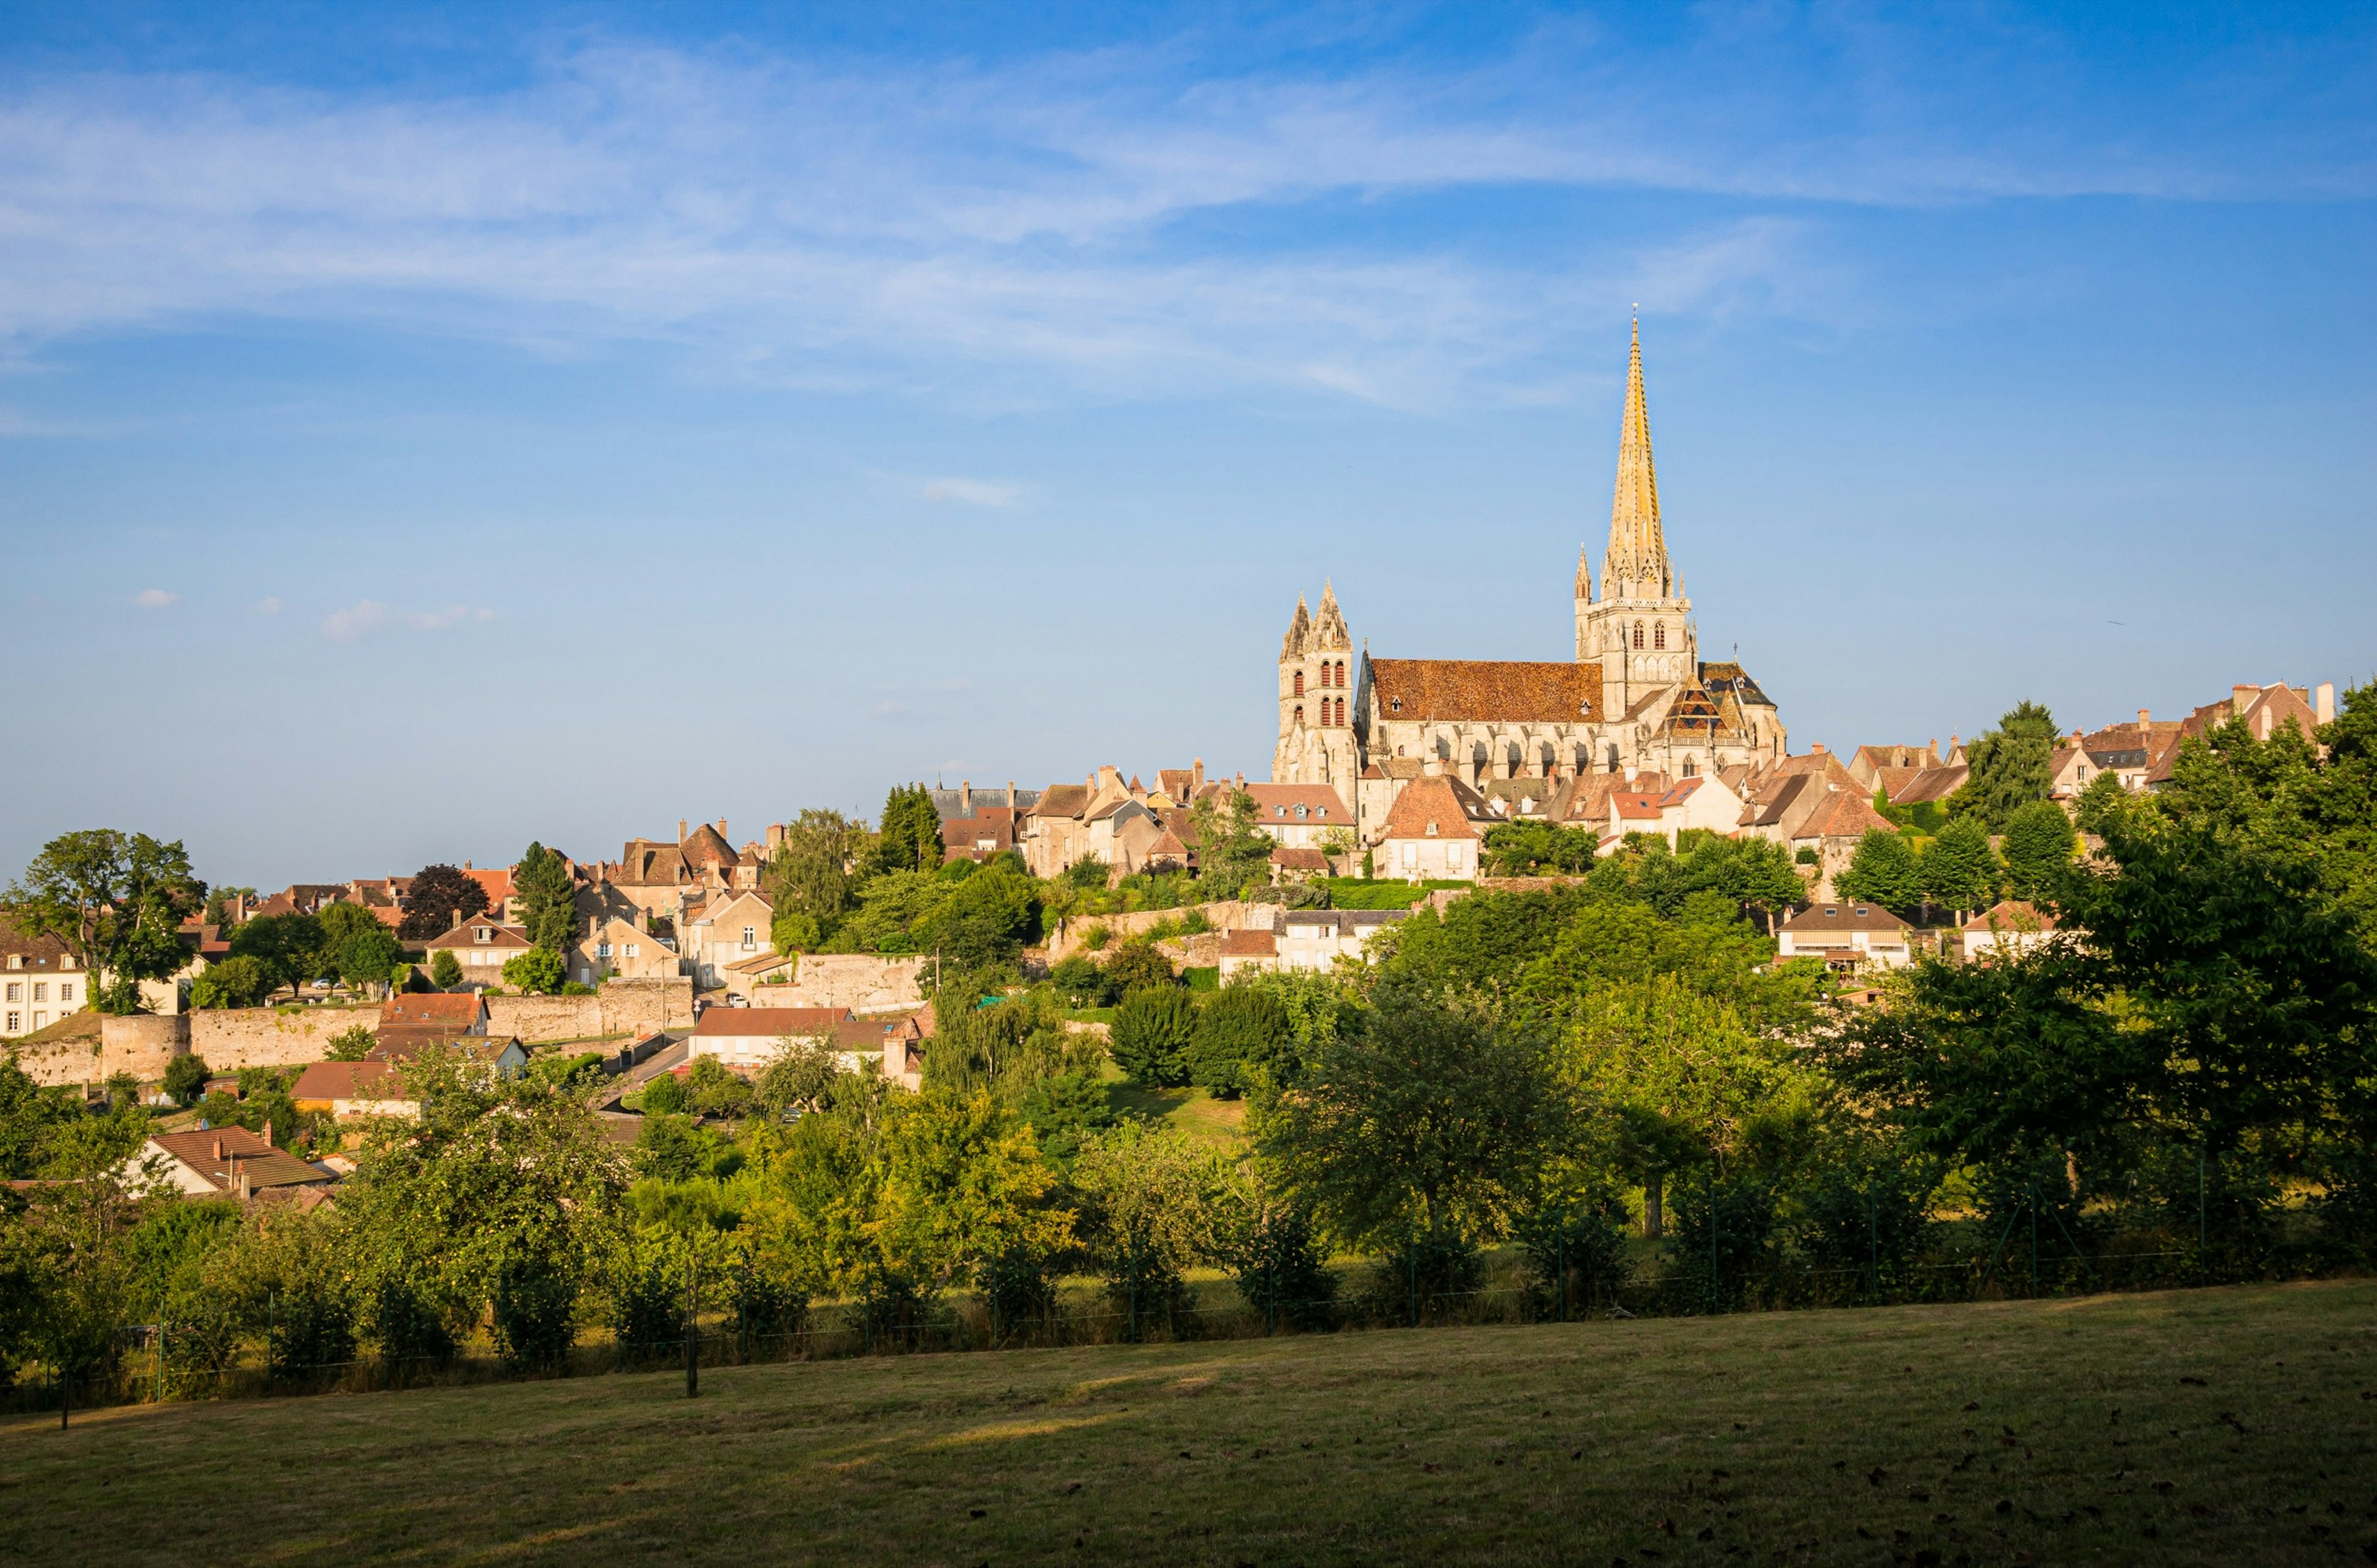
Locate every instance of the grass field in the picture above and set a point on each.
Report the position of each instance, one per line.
(2213, 1426)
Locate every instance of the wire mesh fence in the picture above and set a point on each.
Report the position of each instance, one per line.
(2025, 1256)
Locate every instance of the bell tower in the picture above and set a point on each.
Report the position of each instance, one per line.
(1316, 692)
(1641, 628)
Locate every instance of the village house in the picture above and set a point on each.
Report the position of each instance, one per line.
(981, 827)
(2264, 709)
(348, 1090)
(1706, 802)
(1891, 768)
(1434, 831)
(1312, 940)
(411, 1020)
(1847, 936)
(39, 981)
(1248, 950)
(225, 1162)
(723, 931)
(747, 1037)
(482, 946)
(615, 945)
(2009, 925)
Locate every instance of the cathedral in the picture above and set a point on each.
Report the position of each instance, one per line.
(1637, 698)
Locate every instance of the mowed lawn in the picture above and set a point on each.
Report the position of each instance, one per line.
(2228, 1426)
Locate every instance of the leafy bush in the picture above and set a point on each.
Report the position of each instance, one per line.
(350, 1044)
(1063, 1110)
(231, 982)
(1080, 983)
(1136, 963)
(1094, 939)
(186, 1078)
(445, 970)
(1282, 1271)
(664, 1096)
(576, 988)
(1019, 1288)
(714, 1089)
(534, 1312)
(536, 971)
(1153, 1031)
(1577, 1254)
(648, 1304)
(1241, 1030)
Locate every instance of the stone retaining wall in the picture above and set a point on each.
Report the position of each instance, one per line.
(1229, 915)
(859, 981)
(620, 1006)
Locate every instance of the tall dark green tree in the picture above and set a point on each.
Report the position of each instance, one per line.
(548, 896)
(811, 871)
(2011, 766)
(1233, 852)
(436, 899)
(2037, 851)
(909, 837)
(117, 902)
(1882, 871)
(289, 948)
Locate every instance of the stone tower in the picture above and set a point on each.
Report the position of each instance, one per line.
(1315, 698)
(1641, 628)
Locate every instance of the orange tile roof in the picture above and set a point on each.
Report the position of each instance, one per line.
(1249, 944)
(1482, 688)
(459, 1010)
(1433, 807)
(1843, 814)
(718, 1021)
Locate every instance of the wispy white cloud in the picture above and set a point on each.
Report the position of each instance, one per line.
(269, 606)
(912, 223)
(974, 493)
(365, 616)
(156, 599)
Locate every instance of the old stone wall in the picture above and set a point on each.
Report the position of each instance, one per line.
(143, 1045)
(69, 1052)
(225, 1038)
(620, 1006)
(1229, 915)
(1203, 950)
(860, 981)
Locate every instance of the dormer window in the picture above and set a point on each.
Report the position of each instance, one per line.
(1394, 704)
(1302, 811)
(482, 934)
(1431, 830)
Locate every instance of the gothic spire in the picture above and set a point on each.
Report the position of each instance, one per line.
(1328, 626)
(1584, 572)
(1299, 631)
(1638, 550)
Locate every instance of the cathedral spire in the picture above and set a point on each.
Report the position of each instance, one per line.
(1583, 571)
(1299, 632)
(1636, 566)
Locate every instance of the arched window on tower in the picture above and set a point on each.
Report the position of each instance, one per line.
(1638, 634)
(1659, 635)
(1341, 713)
(1340, 674)
(1299, 683)
(1299, 715)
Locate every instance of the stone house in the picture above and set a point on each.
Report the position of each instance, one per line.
(482, 946)
(1434, 831)
(1248, 950)
(2008, 926)
(1299, 816)
(616, 945)
(1847, 935)
(347, 1090)
(40, 982)
(744, 1038)
(725, 929)
(1312, 940)
(2264, 709)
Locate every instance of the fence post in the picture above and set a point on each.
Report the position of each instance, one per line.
(2203, 1208)
(2034, 1236)
(1716, 1300)
(692, 1324)
(1873, 1234)
(160, 1357)
(271, 1322)
(1412, 1253)
(1559, 1273)
(1271, 1282)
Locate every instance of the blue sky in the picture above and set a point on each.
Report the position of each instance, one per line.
(424, 429)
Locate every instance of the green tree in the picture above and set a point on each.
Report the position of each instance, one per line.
(231, 982)
(1137, 963)
(791, 931)
(2038, 847)
(288, 948)
(1153, 1206)
(186, 1078)
(1882, 872)
(910, 836)
(1959, 869)
(353, 1044)
(438, 899)
(2010, 766)
(1435, 1124)
(445, 969)
(71, 1238)
(1064, 1110)
(369, 956)
(2104, 799)
(1241, 1030)
(117, 902)
(811, 873)
(801, 1074)
(537, 972)
(548, 896)
(1233, 851)
(1153, 1031)
(29, 1115)
(219, 905)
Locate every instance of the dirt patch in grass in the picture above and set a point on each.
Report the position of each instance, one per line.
(2204, 1426)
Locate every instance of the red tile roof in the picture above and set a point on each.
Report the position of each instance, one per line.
(348, 1080)
(1481, 689)
(2011, 915)
(223, 1154)
(1434, 808)
(1292, 859)
(1845, 813)
(1275, 804)
(1249, 944)
(744, 1022)
(459, 1010)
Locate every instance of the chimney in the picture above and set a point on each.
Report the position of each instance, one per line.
(1197, 776)
(722, 827)
(1011, 795)
(680, 829)
(2241, 697)
(2322, 702)
(965, 797)
(245, 1188)
(1816, 748)
(458, 921)
(218, 1153)
(466, 865)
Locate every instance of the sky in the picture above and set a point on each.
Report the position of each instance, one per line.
(427, 428)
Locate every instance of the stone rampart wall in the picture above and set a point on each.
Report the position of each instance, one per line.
(227, 1038)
